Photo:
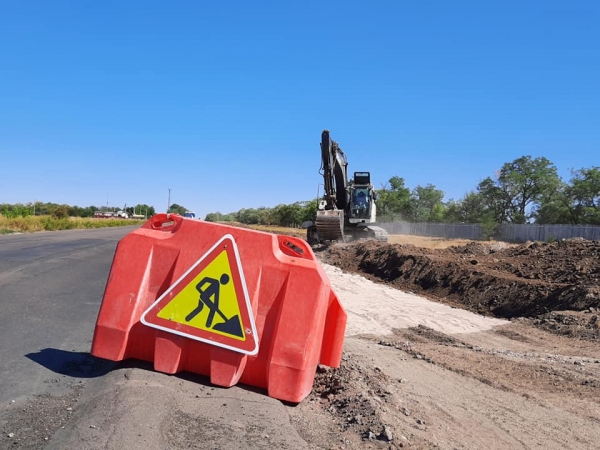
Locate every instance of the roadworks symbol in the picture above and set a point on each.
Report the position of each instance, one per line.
(210, 302)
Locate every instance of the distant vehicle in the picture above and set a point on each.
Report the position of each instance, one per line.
(190, 215)
(104, 214)
(111, 215)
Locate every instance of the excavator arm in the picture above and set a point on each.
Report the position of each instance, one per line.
(335, 173)
(329, 225)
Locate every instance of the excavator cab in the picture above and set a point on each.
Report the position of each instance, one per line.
(360, 204)
(361, 198)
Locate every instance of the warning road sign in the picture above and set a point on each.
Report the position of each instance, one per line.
(210, 302)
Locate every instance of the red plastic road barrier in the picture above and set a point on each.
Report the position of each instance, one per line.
(237, 305)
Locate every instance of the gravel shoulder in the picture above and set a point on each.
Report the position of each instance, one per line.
(411, 392)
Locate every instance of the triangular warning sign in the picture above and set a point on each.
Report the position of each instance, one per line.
(210, 302)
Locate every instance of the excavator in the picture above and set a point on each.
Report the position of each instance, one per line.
(347, 210)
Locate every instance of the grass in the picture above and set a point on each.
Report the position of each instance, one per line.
(47, 223)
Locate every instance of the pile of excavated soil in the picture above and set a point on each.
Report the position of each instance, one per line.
(555, 285)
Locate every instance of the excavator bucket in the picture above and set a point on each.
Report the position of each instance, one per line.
(330, 225)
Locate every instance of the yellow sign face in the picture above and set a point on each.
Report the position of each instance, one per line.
(209, 302)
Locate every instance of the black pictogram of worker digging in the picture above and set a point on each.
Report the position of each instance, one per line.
(209, 289)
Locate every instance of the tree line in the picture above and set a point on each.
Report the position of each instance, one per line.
(526, 190)
(292, 215)
(62, 210)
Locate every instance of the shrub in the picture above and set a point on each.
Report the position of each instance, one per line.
(60, 212)
(18, 210)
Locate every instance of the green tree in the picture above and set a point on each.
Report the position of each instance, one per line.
(426, 204)
(144, 210)
(17, 210)
(494, 200)
(177, 209)
(471, 209)
(78, 211)
(89, 211)
(520, 191)
(394, 201)
(584, 194)
(219, 217)
(287, 215)
(521, 187)
(265, 215)
(249, 216)
(453, 212)
(212, 217)
(309, 211)
(559, 209)
(60, 212)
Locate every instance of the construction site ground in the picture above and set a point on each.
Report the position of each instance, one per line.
(505, 354)
(449, 345)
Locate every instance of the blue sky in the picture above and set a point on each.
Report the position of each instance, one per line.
(224, 102)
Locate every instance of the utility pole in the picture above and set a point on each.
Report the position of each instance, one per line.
(169, 202)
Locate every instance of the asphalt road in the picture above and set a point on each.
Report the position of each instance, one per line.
(51, 287)
(54, 394)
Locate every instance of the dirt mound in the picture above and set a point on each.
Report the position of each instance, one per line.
(531, 280)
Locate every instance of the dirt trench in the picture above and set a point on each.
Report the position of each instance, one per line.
(556, 286)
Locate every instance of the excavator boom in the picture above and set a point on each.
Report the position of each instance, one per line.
(335, 172)
(330, 212)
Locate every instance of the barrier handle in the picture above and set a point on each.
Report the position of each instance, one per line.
(294, 247)
(165, 222)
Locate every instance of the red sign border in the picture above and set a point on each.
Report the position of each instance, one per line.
(250, 345)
